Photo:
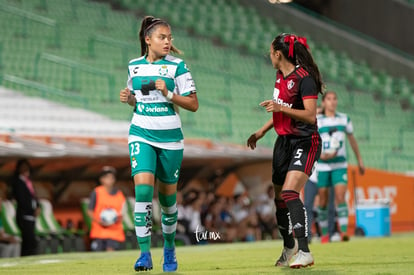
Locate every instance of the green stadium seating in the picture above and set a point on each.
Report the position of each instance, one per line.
(48, 242)
(8, 218)
(84, 203)
(68, 241)
(227, 54)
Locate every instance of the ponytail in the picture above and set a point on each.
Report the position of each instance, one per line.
(295, 50)
(305, 60)
(144, 24)
(148, 25)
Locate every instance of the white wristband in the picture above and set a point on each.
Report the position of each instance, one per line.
(169, 95)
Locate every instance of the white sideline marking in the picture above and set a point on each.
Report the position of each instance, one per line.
(8, 264)
(49, 261)
(45, 261)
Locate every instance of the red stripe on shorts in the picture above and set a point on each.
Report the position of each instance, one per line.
(312, 153)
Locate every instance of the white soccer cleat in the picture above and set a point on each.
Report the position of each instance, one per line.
(302, 259)
(336, 237)
(287, 254)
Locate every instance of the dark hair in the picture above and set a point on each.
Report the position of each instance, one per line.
(323, 98)
(19, 164)
(295, 50)
(147, 28)
(107, 170)
(326, 93)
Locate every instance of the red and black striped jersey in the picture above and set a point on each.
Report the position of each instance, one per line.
(290, 91)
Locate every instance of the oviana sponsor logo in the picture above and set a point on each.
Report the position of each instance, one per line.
(278, 100)
(142, 108)
(281, 102)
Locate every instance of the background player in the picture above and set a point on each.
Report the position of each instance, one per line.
(106, 237)
(334, 127)
(298, 146)
(157, 81)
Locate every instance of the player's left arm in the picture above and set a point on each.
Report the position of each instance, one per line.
(189, 102)
(309, 96)
(184, 94)
(355, 148)
(308, 114)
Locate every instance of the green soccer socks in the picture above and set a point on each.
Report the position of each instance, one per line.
(169, 214)
(143, 215)
(323, 220)
(342, 211)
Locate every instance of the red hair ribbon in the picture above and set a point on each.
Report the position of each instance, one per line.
(302, 40)
(291, 40)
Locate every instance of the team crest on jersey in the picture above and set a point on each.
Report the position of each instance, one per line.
(163, 70)
(290, 84)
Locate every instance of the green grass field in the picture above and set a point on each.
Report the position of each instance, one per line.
(390, 255)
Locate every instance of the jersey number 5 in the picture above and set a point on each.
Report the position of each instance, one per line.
(298, 153)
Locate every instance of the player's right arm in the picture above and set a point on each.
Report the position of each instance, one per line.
(251, 142)
(355, 148)
(125, 96)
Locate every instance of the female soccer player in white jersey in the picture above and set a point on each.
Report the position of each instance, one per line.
(334, 127)
(156, 82)
(298, 146)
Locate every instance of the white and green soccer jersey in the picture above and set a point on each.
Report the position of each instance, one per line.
(337, 128)
(155, 120)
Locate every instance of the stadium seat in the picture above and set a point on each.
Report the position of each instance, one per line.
(69, 241)
(8, 218)
(86, 218)
(47, 242)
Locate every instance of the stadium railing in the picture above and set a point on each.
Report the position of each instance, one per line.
(125, 47)
(403, 130)
(45, 91)
(76, 68)
(223, 126)
(1, 55)
(402, 160)
(367, 124)
(31, 17)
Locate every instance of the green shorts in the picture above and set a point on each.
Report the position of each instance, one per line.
(164, 164)
(331, 178)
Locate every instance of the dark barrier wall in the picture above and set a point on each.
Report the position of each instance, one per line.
(388, 21)
(341, 39)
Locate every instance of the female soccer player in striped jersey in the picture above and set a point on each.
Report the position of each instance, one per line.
(156, 82)
(334, 127)
(298, 146)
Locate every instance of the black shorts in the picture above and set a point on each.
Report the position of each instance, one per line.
(294, 153)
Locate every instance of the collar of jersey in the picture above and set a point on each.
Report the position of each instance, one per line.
(336, 115)
(155, 62)
(285, 77)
